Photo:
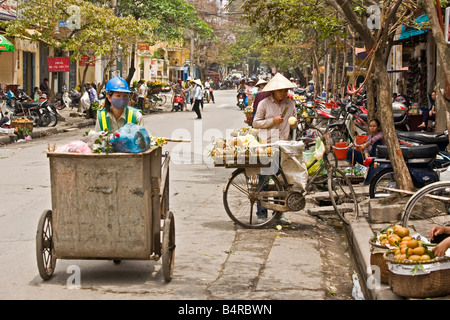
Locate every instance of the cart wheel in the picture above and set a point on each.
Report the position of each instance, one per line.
(45, 252)
(168, 247)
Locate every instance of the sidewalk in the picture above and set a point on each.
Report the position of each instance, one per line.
(70, 120)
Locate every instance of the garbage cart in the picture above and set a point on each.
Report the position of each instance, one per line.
(107, 206)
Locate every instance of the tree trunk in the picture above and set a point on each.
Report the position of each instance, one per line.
(370, 101)
(384, 99)
(132, 69)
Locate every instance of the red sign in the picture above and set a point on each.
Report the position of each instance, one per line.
(85, 59)
(58, 64)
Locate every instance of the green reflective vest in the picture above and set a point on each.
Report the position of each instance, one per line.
(104, 121)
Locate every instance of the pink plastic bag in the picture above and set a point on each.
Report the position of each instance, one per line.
(75, 147)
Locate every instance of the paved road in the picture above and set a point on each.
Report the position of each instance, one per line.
(214, 258)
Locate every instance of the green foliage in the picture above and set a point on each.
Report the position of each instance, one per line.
(172, 17)
(99, 33)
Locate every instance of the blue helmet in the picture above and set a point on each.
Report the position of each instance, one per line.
(117, 84)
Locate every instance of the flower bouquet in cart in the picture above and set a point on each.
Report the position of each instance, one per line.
(248, 111)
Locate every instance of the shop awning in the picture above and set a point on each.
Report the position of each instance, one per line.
(416, 29)
(5, 44)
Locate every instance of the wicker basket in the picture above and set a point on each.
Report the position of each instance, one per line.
(377, 252)
(154, 90)
(407, 279)
(22, 124)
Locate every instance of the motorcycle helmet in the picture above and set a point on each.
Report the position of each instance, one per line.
(117, 84)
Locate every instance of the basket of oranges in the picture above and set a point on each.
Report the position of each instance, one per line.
(383, 242)
(414, 271)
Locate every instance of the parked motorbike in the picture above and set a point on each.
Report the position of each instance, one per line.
(74, 97)
(420, 138)
(242, 100)
(420, 160)
(178, 102)
(19, 107)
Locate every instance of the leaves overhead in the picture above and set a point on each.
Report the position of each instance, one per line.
(100, 30)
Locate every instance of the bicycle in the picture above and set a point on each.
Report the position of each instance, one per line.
(244, 192)
(428, 207)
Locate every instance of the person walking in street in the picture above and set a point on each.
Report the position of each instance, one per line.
(93, 100)
(249, 91)
(141, 95)
(210, 89)
(117, 112)
(192, 86)
(272, 114)
(198, 97)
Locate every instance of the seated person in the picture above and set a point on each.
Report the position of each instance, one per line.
(368, 149)
(429, 114)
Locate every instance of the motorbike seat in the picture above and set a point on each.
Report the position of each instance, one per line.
(398, 117)
(31, 104)
(425, 137)
(411, 152)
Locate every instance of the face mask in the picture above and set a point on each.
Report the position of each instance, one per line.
(119, 104)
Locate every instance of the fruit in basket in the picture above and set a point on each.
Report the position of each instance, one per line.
(425, 257)
(413, 244)
(420, 251)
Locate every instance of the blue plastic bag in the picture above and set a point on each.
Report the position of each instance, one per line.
(131, 138)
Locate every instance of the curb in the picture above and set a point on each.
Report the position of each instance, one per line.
(359, 233)
(43, 132)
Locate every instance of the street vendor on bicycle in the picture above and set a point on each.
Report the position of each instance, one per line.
(116, 111)
(272, 114)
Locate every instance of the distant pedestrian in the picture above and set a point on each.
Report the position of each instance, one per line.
(198, 97)
(141, 95)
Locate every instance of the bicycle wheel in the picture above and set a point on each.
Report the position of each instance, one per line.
(240, 198)
(342, 194)
(162, 99)
(383, 179)
(428, 207)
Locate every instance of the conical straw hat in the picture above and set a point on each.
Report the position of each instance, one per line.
(278, 82)
(261, 81)
(197, 81)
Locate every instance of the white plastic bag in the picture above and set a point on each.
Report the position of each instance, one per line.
(292, 162)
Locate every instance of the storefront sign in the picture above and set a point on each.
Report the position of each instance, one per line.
(8, 10)
(143, 46)
(85, 59)
(58, 64)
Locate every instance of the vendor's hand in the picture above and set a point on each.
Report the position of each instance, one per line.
(442, 247)
(278, 120)
(435, 231)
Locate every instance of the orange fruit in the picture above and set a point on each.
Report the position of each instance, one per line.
(414, 257)
(419, 251)
(425, 257)
(402, 232)
(389, 231)
(407, 238)
(394, 239)
(413, 244)
(400, 257)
